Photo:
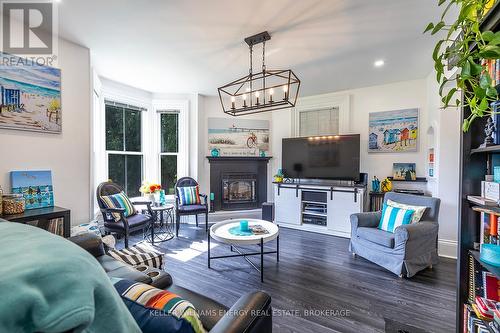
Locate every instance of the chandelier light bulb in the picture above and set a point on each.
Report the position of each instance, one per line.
(257, 94)
(232, 102)
(244, 96)
(271, 92)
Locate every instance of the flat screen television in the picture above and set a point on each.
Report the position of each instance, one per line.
(323, 157)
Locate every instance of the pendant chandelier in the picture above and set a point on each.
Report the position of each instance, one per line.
(267, 90)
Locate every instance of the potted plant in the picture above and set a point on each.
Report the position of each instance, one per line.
(466, 50)
(151, 191)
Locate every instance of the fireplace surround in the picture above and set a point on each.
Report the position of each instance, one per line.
(238, 182)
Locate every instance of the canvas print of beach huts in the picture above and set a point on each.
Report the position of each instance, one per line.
(30, 96)
(393, 131)
(238, 137)
(35, 186)
(404, 171)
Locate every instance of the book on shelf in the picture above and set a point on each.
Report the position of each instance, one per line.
(56, 226)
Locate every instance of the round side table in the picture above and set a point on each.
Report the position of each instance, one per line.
(163, 224)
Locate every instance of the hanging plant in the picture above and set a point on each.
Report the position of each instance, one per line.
(469, 53)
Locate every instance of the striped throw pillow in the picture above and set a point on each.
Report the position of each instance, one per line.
(419, 210)
(393, 217)
(189, 195)
(166, 302)
(119, 200)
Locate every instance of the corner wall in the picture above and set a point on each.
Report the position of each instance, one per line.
(66, 154)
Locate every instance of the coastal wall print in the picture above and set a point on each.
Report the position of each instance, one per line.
(35, 186)
(238, 137)
(393, 131)
(30, 96)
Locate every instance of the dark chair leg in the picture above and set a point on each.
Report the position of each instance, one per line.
(206, 221)
(196, 218)
(152, 232)
(177, 224)
(126, 240)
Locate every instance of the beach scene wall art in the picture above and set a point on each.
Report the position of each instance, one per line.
(238, 137)
(404, 171)
(393, 131)
(30, 96)
(35, 186)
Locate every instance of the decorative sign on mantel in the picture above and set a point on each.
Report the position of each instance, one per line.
(238, 137)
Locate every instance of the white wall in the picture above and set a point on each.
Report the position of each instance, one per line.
(447, 156)
(66, 154)
(421, 94)
(395, 96)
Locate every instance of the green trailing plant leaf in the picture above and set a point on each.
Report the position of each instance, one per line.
(462, 48)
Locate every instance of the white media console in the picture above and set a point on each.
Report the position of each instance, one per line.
(318, 208)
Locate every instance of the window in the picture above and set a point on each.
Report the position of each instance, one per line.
(124, 146)
(319, 122)
(169, 149)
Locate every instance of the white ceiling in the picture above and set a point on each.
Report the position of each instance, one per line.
(197, 45)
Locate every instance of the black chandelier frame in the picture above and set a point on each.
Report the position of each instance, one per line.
(289, 83)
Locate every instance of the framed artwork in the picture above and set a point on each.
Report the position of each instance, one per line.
(404, 171)
(238, 137)
(35, 186)
(30, 96)
(393, 131)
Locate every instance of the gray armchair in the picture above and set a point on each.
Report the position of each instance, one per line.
(410, 249)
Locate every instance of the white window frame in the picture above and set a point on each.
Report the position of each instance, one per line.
(116, 95)
(321, 102)
(182, 108)
(120, 152)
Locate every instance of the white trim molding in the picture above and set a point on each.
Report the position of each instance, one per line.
(340, 101)
(447, 248)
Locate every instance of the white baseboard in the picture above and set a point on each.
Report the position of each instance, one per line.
(447, 248)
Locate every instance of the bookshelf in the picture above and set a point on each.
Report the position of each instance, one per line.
(53, 219)
(475, 164)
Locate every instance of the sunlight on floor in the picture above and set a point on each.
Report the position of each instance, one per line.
(194, 250)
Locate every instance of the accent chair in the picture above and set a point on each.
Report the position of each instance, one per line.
(187, 210)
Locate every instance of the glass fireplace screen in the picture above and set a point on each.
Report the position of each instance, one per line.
(239, 188)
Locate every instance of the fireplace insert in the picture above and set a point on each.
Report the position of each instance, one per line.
(238, 188)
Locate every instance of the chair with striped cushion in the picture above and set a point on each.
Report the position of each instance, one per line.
(395, 240)
(119, 215)
(188, 201)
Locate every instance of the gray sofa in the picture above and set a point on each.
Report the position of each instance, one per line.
(410, 249)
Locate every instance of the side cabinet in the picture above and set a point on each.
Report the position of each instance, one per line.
(287, 205)
(340, 207)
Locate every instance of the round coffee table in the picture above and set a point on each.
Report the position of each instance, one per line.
(224, 232)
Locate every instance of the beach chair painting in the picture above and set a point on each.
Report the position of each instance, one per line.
(35, 186)
(393, 131)
(30, 96)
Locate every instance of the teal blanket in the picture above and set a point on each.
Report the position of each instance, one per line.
(48, 284)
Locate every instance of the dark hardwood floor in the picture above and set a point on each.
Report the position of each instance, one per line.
(318, 286)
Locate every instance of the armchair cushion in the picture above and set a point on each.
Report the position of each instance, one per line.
(136, 220)
(393, 217)
(189, 195)
(192, 208)
(120, 201)
(377, 236)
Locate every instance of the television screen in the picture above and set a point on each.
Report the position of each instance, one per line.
(322, 157)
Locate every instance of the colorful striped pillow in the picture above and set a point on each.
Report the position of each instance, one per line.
(165, 302)
(393, 217)
(119, 200)
(189, 195)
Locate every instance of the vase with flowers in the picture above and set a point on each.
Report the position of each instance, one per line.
(151, 191)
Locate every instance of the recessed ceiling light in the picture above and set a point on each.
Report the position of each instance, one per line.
(379, 63)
